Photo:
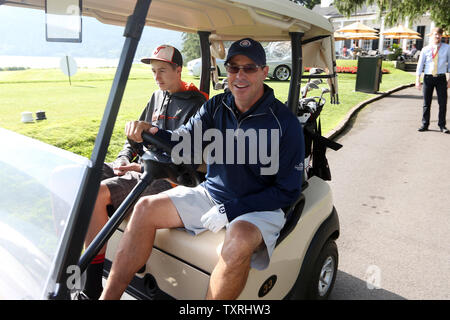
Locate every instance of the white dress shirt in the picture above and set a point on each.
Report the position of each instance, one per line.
(426, 64)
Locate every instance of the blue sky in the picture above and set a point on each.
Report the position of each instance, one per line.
(22, 32)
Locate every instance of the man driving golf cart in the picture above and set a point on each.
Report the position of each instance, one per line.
(236, 195)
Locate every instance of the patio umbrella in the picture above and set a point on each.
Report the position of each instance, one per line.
(339, 36)
(399, 31)
(362, 36)
(356, 27)
(403, 37)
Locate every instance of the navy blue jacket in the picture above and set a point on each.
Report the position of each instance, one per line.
(241, 185)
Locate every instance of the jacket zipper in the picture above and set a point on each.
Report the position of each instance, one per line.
(242, 120)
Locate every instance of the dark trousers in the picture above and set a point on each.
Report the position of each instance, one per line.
(429, 83)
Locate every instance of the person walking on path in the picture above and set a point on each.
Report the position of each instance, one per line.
(434, 62)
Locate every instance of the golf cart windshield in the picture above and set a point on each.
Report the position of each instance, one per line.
(39, 187)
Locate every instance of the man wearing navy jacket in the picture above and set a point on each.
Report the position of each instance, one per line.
(241, 193)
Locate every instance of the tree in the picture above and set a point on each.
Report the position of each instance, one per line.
(191, 46)
(395, 11)
(307, 3)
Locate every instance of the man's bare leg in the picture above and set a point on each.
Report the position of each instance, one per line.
(99, 216)
(230, 275)
(94, 272)
(150, 213)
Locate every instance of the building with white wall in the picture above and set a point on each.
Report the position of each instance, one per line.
(369, 15)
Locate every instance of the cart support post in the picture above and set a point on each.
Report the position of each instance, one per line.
(114, 222)
(297, 70)
(205, 76)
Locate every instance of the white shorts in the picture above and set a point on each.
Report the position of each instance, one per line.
(192, 203)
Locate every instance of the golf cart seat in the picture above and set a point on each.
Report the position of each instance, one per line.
(203, 250)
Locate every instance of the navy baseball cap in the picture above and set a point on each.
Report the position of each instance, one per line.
(250, 48)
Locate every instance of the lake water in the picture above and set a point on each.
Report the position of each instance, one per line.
(53, 62)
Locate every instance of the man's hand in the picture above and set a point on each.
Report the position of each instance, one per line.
(448, 83)
(215, 219)
(134, 129)
(121, 161)
(121, 170)
(418, 84)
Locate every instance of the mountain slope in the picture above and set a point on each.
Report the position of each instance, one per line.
(22, 32)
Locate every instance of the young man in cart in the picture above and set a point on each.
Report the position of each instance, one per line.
(169, 107)
(246, 198)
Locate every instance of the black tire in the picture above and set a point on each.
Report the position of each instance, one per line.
(321, 246)
(282, 73)
(324, 272)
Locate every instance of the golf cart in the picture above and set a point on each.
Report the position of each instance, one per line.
(47, 264)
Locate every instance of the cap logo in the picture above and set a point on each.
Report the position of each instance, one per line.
(245, 43)
(158, 49)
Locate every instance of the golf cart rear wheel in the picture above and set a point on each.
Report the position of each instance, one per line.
(324, 273)
(282, 73)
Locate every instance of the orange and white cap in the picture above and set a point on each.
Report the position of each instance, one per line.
(165, 53)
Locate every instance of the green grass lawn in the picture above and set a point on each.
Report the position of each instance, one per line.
(74, 111)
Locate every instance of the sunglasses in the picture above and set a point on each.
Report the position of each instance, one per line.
(248, 68)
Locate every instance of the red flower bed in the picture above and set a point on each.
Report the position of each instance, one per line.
(350, 70)
(354, 70)
(347, 69)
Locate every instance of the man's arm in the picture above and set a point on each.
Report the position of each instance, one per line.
(419, 70)
(128, 153)
(448, 66)
(202, 119)
(124, 160)
(130, 148)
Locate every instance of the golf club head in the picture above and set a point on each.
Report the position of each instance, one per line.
(315, 71)
(325, 90)
(303, 93)
(312, 85)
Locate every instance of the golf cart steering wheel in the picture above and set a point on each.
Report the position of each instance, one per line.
(184, 174)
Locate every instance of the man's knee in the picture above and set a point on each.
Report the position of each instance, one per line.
(104, 195)
(145, 206)
(152, 210)
(241, 240)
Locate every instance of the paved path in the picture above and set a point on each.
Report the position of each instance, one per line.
(391, 186)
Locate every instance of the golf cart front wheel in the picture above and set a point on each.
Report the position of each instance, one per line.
(324, 273)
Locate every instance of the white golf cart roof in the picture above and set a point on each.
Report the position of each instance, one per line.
(265, 20)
